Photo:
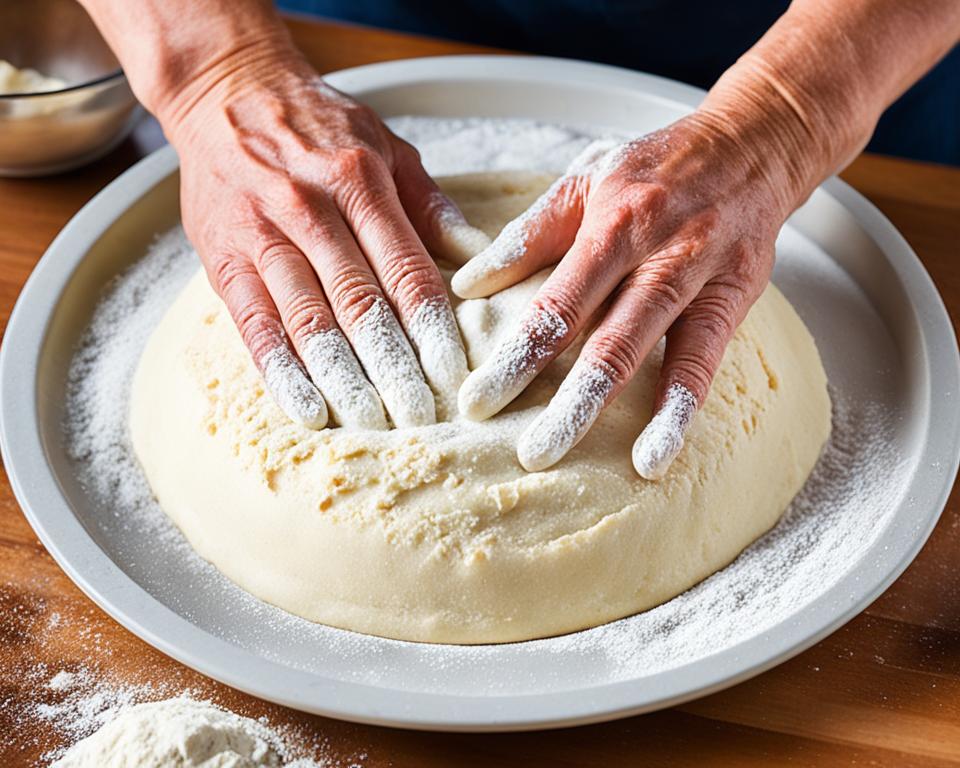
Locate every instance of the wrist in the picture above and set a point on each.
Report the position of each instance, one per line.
(175, 51)
(797, 103)
(787, 147)
(218, 81)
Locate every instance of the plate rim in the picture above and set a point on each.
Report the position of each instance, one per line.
(47, 508)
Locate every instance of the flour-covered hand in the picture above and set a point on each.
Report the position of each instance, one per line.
(672, 234)
(314, 222)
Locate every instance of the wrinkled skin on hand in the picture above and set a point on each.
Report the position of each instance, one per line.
(672, 234)
(314, 222)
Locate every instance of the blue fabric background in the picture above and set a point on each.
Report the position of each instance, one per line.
(689, 40)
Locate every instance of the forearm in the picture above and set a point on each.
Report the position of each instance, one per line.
(807, 96)
(175, 51)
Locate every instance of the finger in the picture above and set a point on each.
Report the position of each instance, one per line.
(695, 346)
(646, 304)
(335, 370)
(544, 232)
(364, 315)
(256, 317)
(576, 288)
(662, 439)
(570, 413)
(532, 241)
(409, 278)
(436, 218)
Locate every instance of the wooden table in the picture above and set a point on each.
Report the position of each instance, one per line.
(883, 690)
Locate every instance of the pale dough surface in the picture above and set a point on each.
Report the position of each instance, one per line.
(436, 533)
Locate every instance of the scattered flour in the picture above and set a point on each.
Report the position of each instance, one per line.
(833, 522)
(473, 145)
(184, 733)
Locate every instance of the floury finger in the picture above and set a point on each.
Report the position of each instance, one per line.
(662, 439)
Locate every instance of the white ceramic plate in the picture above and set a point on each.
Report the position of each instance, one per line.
(882, 329)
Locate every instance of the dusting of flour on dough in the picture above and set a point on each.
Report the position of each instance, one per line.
(831, 524)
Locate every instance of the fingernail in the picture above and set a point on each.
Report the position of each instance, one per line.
(435, 335)
(292, 390)
(352, 400)
(392, 367)
(662, 439)
(566, 419)
(513, 365)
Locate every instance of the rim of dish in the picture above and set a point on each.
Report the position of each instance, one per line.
(116, 74)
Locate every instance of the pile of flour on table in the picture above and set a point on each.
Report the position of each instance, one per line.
(827, 529)
(181, 732)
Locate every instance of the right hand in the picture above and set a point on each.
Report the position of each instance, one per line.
(314, 223)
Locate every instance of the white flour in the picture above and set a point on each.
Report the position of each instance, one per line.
(567, 418)
(181, 732)
(47, 708)
(842, 509)
(514, 364)
(352, 400)
(662, 439)
(392, 367)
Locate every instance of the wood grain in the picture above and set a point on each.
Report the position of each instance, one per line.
(883, 690)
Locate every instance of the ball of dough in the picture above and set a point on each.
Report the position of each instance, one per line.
(436, 533)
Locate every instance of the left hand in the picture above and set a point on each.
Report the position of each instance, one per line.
(677, 231)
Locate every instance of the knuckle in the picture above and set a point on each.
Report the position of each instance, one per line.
(228, 273)
(615, 347)
(410, 279)
(304, 315)
(599, 247)
(657, 290)
(352, 294)
(258, 329)
(693, 370)
(560, 303)
(713, 315)
(616, 220)
(272, 255)
(357, 162)
(405, 152)
(644, 201)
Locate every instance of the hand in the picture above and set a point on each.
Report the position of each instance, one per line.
(671, 234)
(313, 222)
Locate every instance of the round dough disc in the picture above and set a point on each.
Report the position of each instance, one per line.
(436, 533)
